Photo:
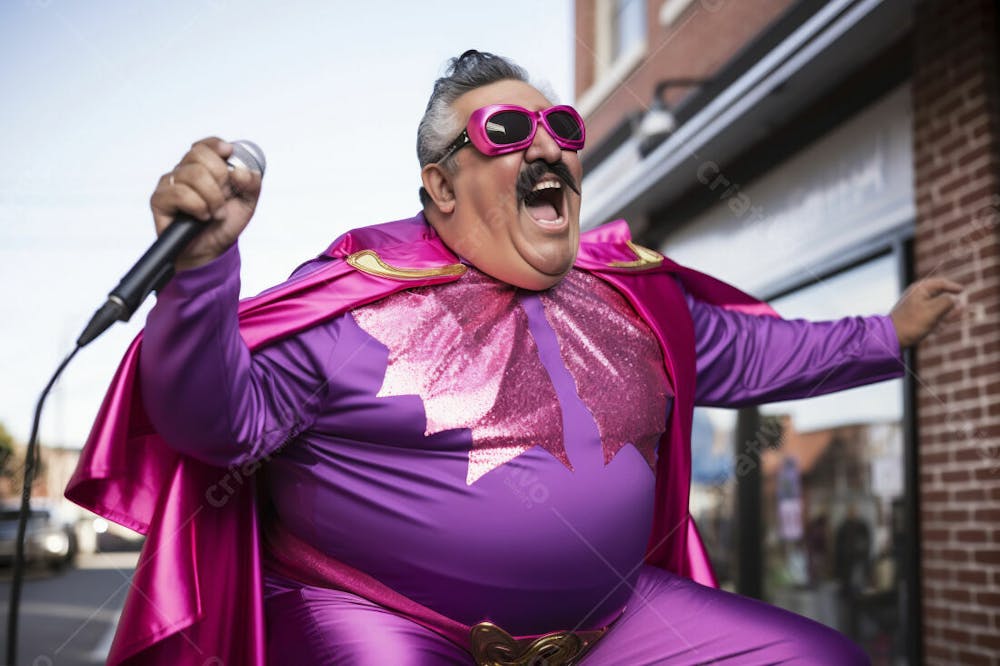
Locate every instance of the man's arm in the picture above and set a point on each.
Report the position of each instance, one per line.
(747, 359)
(203, 390)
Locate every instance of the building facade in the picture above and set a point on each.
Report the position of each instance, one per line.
(822, 155)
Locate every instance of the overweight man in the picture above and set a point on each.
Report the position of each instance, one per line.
(458, 438)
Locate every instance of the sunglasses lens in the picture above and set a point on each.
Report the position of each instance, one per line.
(565, 125)
(508, 127)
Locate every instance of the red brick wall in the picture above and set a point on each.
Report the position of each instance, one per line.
(957, 164)
(706, 36)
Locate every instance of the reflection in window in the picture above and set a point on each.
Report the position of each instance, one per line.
(832, 486)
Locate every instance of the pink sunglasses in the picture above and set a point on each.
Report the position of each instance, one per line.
(505, 128)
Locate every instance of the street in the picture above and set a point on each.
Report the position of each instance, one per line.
(68, 618)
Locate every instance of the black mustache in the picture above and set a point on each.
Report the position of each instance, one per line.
(534, 172)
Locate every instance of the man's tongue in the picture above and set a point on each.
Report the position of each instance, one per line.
(542, 211)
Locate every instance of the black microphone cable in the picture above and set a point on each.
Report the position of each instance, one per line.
(32, 458)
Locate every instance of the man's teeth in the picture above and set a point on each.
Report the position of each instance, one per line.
(546, 185)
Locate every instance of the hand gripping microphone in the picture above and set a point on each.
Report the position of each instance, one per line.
(155, 268)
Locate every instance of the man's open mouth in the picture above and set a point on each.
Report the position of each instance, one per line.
(544, 203)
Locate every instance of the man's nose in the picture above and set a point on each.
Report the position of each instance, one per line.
(543, 147)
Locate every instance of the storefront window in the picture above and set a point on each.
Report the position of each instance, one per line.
(832, 489)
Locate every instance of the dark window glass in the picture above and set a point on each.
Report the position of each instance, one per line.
(832, 487)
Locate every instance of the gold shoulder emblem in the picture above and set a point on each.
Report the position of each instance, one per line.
(368, 261)
(646, 258)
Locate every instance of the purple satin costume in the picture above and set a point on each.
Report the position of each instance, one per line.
(396, 436)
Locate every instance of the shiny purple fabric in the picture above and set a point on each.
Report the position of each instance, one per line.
(530, 545)
(195, 594)
(365, 485)
(278, 407)
(670, 620)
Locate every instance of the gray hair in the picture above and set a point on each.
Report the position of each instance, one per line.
(440, 124)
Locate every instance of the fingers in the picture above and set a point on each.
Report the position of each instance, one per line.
(197, 186)
(941, 295)
(942, 304)
(174, 196)
(198, 180)
(210, 155)
(956, 313)
(939, 285)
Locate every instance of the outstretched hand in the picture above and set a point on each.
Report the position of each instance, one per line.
(923, 307)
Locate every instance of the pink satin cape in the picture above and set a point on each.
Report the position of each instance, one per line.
(197, 587)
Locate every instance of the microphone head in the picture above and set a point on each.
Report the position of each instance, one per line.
(248, 155)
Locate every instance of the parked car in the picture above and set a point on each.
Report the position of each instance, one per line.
(48, 539)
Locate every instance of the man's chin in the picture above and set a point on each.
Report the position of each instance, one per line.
(550, 270)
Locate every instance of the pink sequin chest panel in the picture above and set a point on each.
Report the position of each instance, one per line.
(466, 350)
(615, 361)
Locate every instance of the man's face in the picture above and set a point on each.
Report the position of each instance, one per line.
(528, 241)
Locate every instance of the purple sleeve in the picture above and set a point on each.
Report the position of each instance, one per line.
(204, 392)
(749, 359)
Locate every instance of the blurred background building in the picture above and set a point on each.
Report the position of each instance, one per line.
(821, 155)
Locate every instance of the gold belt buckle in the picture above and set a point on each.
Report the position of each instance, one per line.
(492, 646)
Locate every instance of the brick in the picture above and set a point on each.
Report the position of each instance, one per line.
(986, 474)
(932, 496)
(973, 454)
(947, 106)
(981, 195)
(970, 391)
(985, 329)
(956, 635)
(956, 476)
(975, 107)
(944, 653)
(991, 556)
(971, 576)
(955, 555)
(955, 515)
(971, 495)
(949, 376)
(958, 354)
(971, 536)
(935, 458)
(989, 640)
(973, 619)
(967, 656)
(988, 599)
(981, 130)
(990, 515)
(938, 172)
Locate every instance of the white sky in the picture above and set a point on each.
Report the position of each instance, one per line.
(100, 98)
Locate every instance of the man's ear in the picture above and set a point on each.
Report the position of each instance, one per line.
(437, 182)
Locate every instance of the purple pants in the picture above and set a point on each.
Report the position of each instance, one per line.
(668, 620)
